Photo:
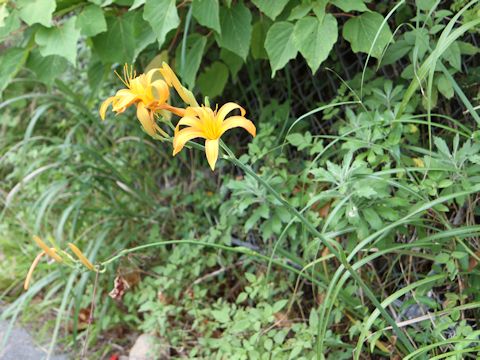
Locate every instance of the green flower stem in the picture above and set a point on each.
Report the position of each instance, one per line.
(240, 249)
(232, 158)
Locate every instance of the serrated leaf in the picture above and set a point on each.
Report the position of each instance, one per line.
(162, 16)
(236, 26)
(11, 62)
(350, 5)
(37, 11)
(213, 80)
(61, 41)
(315, 39)
(362, 30)
(280, 45)
(453, 56)
(372, 218)
(91, 21)
(441, 146)
(193, 57)
(271, 8)
(207, 13)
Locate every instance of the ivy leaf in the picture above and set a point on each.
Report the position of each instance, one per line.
(11, 62)
(315, 39)
(350, 5)
(193, 57)
(61, 41)
(213, 80)
(361, 31)
(91, 21)
(236, 26)
(207, 13)
(271, 8)
(162, 16)
(37, 11)
(280, 45)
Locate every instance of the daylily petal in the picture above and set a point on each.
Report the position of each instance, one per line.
(172, 80)
(189, 121)
(228, 107)
(239, 121)
(146, 119)
(175, 110)
(123, 101)
(83, 259)
(35, 262)
(183, 136)
(149, 75)
(105, 105)
(160, 91)
(211, 150)
(49, 251)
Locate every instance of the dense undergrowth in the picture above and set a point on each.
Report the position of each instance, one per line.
(377, 155)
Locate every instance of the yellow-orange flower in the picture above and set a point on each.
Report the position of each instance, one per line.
(45, 250)
(203, 122)
(172, 80)
(149, 95)
(83, 259)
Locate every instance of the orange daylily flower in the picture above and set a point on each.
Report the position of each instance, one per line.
(172, 80)
(83, 259)
(203, 122)
(45, 250)
(149, 96)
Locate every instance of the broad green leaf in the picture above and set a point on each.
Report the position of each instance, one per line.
(319, 8)
(91, 21)
(11, 62)
(271, 8)
(61, 41)
(299, 11)
(222, 316)
(162, 16)
(136, 4)
(315, 39)
(207, 13)
(233, 61)
(3, 14)
(12, 23)
(361, 31)
(46, 68)
(213, 80)
(445, 86)
(280, 45)
(37, 11)
(454, 56)
(125, 38)
(193, 57)
(236, 25)
(350, 5)
(259, 33)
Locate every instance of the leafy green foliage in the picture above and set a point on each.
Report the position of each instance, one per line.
(381, 158)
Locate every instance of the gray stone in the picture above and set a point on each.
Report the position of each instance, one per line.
(149, 347)
(20, 345)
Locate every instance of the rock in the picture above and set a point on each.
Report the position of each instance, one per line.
(149, 347)
(20, 345)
